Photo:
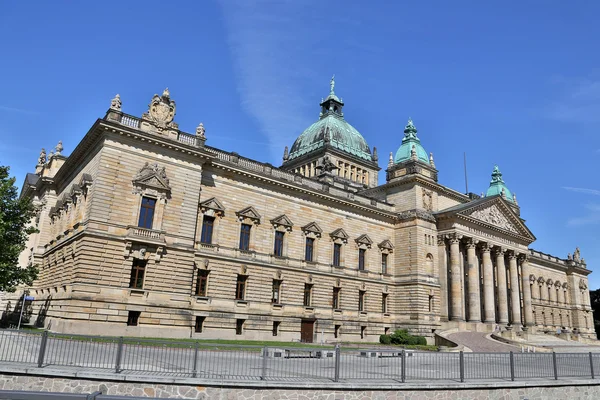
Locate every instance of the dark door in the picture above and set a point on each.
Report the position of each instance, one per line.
(307, 329)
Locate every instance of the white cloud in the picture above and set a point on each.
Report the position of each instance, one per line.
(580, 100)
(592, 217)
(16, 110)
(583, 190)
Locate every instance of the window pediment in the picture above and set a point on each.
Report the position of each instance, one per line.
(214, 205)
(249, 213)
(339, 234)
(282, 221)
(312, 228)
(152, 179)
(364, 240)
(386, 245)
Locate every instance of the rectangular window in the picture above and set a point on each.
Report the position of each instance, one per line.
(363, 331)
(384, 307)
(147, 212)
(386, 330)
(202, 283)
(361, 259)
(208, 224)
(199, 324)
(361, 300)
(136, 280)
(240, 290)
(239, 326)
(337, 254)
(278, 248)
(336, 331)
(335, 304)
(430, 303)
(245, 237)
(276, 328)
(309, 249)
(307, 294)
(384, 259)
(276, 291)
(133, 317)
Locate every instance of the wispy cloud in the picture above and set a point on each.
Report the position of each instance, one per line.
(592, 217)
(580, 100)
(17, 110)
(582, 190)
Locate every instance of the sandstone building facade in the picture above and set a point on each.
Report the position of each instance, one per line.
(145, 230)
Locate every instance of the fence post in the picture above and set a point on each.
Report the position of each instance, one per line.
(119, 355)
(196, 348)
(403, 366)
(265, 356)
(42, 353)
(337, 363)
(462, 366)
(555, 368)
(592, 365)
(512, 366)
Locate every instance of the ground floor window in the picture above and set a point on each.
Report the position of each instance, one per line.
(363, 330)
(133, 317)
(276, 327)
(199, 324)
(239, 326)
(336, 331)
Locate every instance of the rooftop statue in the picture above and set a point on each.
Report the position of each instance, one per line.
(42, 159)
(115, 104)
(59, 147)
(577, 255)
(200, 131)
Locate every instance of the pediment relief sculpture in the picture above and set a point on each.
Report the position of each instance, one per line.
(313, 228)
(364, 240)
(339, 234)
(428, 200)
(386, 245)
(493, 216)
(213, 205)
(151, 179)
(282, 221)
(249, 213)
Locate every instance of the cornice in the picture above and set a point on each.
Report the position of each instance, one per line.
(416, 213)
(408, 179)
(328, 148)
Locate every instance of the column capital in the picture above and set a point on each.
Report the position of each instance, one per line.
(455, 238)
(512, 255)
(471, 243)
(523, 258)
(485, 247)
(441, 240)
(498, 251)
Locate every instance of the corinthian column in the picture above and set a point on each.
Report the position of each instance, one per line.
(489, 308)
(473, 284)
(527, 309)
(455, 280)
(443, 273)
(502, 289)
(515, 299)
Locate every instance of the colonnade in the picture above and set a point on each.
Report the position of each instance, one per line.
(485, 283)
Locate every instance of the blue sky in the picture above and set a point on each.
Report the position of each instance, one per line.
(512, 83)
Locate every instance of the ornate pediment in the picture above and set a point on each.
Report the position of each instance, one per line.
(249, 213)
(364, 240)
(312, 228)
(386, 245)
(151, 179)
(282, 221)
(339, 234)
(213, 205)
(493, 216)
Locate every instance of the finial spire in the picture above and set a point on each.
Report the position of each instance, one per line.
(332, 85)
(286, 154)
(410, 130)
(515, 199)
(42, 159)
(375, 156)
(431, 160)
(166, 93)
(391, 161)
(59, 147)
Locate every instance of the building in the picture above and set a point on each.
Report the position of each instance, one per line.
(144, 230)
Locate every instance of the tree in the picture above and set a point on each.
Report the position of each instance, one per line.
(595, 303)
(15, 215)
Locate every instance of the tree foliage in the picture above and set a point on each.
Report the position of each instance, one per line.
(595, 303)
(15, 215)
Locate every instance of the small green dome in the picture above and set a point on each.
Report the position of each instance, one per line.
(409, 141)
(333, 130)
(497, 184)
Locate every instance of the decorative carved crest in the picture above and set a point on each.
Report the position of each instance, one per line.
(309, 278)
(365, 240)
(549, 282)
(492, 215)
(161, 111)
(582, 285)
(282, 221)
(244, 269)
(532, 278)
(363, 286)
(565, 285)
(428, 200)
(312, 228)
(541, 280)
(278, 274)
(153, 179)
(339, 234)
(213, 205)
(557, 284)
(338, 282)
(386, 245)
(249, 213)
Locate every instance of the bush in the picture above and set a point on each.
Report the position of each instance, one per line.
(385, 339)
(402, 337)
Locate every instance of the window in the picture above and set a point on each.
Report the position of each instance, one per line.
(335, 304)
(307, 294)
(245, 237)
(363, 330)
(208, 224)
(430, 303)
(239, 326)
(240, 290)
(337, 254)
(147, 212)
(278, 248)
(386, 330)
(276, 327)
(199, 324)
(361, 259)
(136, 281)
(133, 317)
(384, 307)
(309, 249)
(384, 259)
(276, 291)
(336, 331)
(202, 283)
(361, 300)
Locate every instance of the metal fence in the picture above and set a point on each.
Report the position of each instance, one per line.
(199, 359)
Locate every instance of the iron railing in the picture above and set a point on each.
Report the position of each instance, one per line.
(200, 359)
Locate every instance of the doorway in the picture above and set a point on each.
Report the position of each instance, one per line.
(307, 329)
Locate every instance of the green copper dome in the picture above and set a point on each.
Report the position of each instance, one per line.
(497, 184)
(409, 141)
(333, 130)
